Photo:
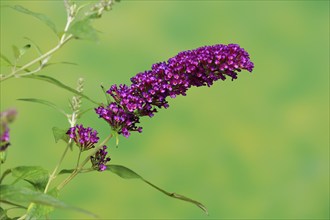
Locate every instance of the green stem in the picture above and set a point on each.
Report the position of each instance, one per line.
(53, 175)
(44, 56)
(78, 158)
(72, 122)
(79, 168)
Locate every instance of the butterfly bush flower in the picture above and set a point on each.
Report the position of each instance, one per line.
(6, 117)
(85, 138)
(148, 90)
(100, 159)
(4, 139)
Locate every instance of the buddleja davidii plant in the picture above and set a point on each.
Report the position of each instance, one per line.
(39, 198)
(124, 107)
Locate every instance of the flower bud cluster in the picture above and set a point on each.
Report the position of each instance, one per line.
(6, 117)
(100, 159)
(85, 138)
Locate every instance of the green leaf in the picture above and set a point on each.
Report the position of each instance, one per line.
(43, 18)
(19, 52)
(35, 175)
(5, 61)
(44, 102)
(24, 49)
(66, 171)
(127, 173)
(3, 156)
(4, 174)
(107, 96)
(61, 85)
(62, 62)
(123, 172)
(3, 214)
(60, 134)
(34, 45)
(15, 51)
(83, 30)
(15, 194)
(36, 211)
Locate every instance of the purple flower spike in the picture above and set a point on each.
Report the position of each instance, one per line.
(85, 138)
(100, 159)
(149, 90)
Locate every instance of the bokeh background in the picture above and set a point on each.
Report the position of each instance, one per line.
(253, 148)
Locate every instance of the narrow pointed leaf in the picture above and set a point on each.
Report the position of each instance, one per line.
(127, 173)
(69, 171)
(44, 102)
(107, 96)
(15, 51)
(35, 175)
(60, 134)
(60, 84)
(123, 172)
(43, 18)
(63, 62)
(66, 171)
(17, 194)
(5, 61)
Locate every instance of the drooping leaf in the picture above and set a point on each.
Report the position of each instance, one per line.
(35, 175)
(18, 194)
(83, 30)
(60, 134)
(37, 15)
(44, 102)
(60, 84)
(123, 172)
(127, 173)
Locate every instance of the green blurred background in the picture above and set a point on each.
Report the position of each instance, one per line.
(255, 148)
